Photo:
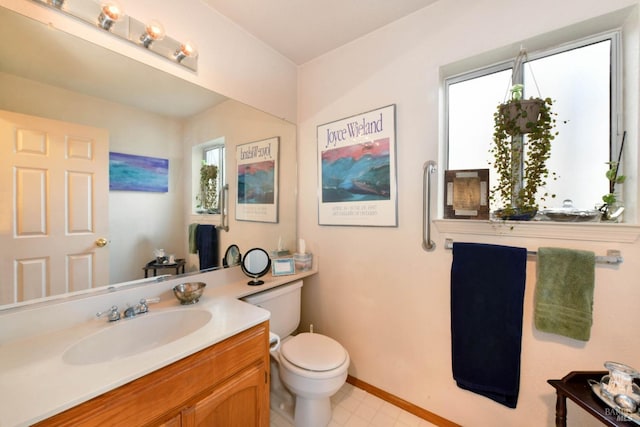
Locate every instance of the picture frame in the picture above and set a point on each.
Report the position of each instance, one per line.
(357, 170)
(257, 178)
(129, 172)
(466, 194)
(283, 266)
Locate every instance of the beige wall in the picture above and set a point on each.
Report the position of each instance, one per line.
(378, 292)
(139, 222)
(236, 123)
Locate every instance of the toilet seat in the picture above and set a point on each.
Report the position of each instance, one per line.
(313, 352)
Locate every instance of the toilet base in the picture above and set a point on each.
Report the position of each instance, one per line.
(312, 412)
(283, 403)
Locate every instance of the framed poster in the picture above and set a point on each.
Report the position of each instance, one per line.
(357, 170)
(466, 194)
(257, 197)
(128, 172)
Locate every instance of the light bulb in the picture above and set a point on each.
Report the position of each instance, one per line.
(110, 12)
(186, 49)
(154, 31)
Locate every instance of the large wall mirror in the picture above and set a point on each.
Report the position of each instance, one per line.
(48, 76)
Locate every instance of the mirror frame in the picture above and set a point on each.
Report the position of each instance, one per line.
(232, 256)
(246, 265)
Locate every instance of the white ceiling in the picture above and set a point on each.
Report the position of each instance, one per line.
(302, 30)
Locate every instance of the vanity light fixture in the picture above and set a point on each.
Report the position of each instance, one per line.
(110, 13)
(186, 50)
(153, 31)
(111, 17)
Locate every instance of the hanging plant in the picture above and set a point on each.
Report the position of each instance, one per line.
(519, 182)
(613, 207)
(208, 188)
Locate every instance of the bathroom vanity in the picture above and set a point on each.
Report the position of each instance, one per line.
(228, 381)
(61, 366)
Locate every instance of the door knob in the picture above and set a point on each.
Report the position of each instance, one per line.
(101, 242)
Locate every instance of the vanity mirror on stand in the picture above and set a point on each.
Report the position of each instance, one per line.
(255, 264)
(232, 256)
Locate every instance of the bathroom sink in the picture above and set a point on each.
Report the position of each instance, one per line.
(128, 337)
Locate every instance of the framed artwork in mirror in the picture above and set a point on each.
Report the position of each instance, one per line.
(128, 172)
(257, 196)
(357, 170)
(466, 194)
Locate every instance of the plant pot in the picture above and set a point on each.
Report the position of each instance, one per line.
(515, 215)
(521, 112)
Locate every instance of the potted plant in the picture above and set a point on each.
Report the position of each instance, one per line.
(208, 188)
(519, 180)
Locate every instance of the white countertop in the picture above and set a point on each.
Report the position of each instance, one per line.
(35, 381)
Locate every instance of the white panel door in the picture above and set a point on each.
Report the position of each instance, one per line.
(54, 187)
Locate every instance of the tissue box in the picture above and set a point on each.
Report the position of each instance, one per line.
(303, 261)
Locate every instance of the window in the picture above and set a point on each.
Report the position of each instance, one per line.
(215, 156)
(582, 79)
(210, 153)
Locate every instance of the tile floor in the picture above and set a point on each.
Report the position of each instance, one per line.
(354, 407)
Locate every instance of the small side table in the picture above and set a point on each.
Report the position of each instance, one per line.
(575, 386)
(153, 265)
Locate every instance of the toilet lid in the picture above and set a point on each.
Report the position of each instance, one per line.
(314, 352)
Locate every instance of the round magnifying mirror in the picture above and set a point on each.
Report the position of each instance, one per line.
(231, 257)
(256, 263)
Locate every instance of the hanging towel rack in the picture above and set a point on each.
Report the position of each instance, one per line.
(428, 168)
(223, 208)
(613, 256)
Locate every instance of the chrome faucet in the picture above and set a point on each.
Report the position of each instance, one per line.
(112, 314)
(140, 308)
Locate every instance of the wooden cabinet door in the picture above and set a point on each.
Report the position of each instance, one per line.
(242, 401)
(173, 422)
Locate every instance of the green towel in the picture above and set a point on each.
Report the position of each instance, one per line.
(564, 292)
(193, 247)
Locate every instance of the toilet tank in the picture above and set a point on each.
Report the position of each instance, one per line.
(283, 302)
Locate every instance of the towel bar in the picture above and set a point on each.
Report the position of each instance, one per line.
(613, 256)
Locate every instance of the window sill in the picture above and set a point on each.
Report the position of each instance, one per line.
(588, 231)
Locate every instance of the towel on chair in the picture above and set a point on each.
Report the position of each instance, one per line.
(564, 292)
(487, 292)
(207, 242)
(193, 246)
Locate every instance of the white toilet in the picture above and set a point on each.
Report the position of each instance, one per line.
(312, 367)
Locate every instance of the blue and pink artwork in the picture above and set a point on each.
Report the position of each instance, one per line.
(128, 172)
(256, 182)
(359, 172)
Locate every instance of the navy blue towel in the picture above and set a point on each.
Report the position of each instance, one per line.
(207, 244)
(487, 292)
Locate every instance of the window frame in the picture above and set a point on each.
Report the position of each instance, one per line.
(616, 124)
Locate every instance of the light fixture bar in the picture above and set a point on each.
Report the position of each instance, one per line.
(108, 16)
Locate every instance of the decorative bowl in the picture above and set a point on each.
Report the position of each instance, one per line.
(189, 293)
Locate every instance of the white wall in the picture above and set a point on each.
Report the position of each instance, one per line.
(378, 292)
(139, 222)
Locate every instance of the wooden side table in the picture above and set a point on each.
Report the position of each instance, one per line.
(575, 386)
(153, 265)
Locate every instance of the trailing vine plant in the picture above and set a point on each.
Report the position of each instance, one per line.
(518, 182)
(208, 187)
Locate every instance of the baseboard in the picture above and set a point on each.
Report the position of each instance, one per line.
(401, 403)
